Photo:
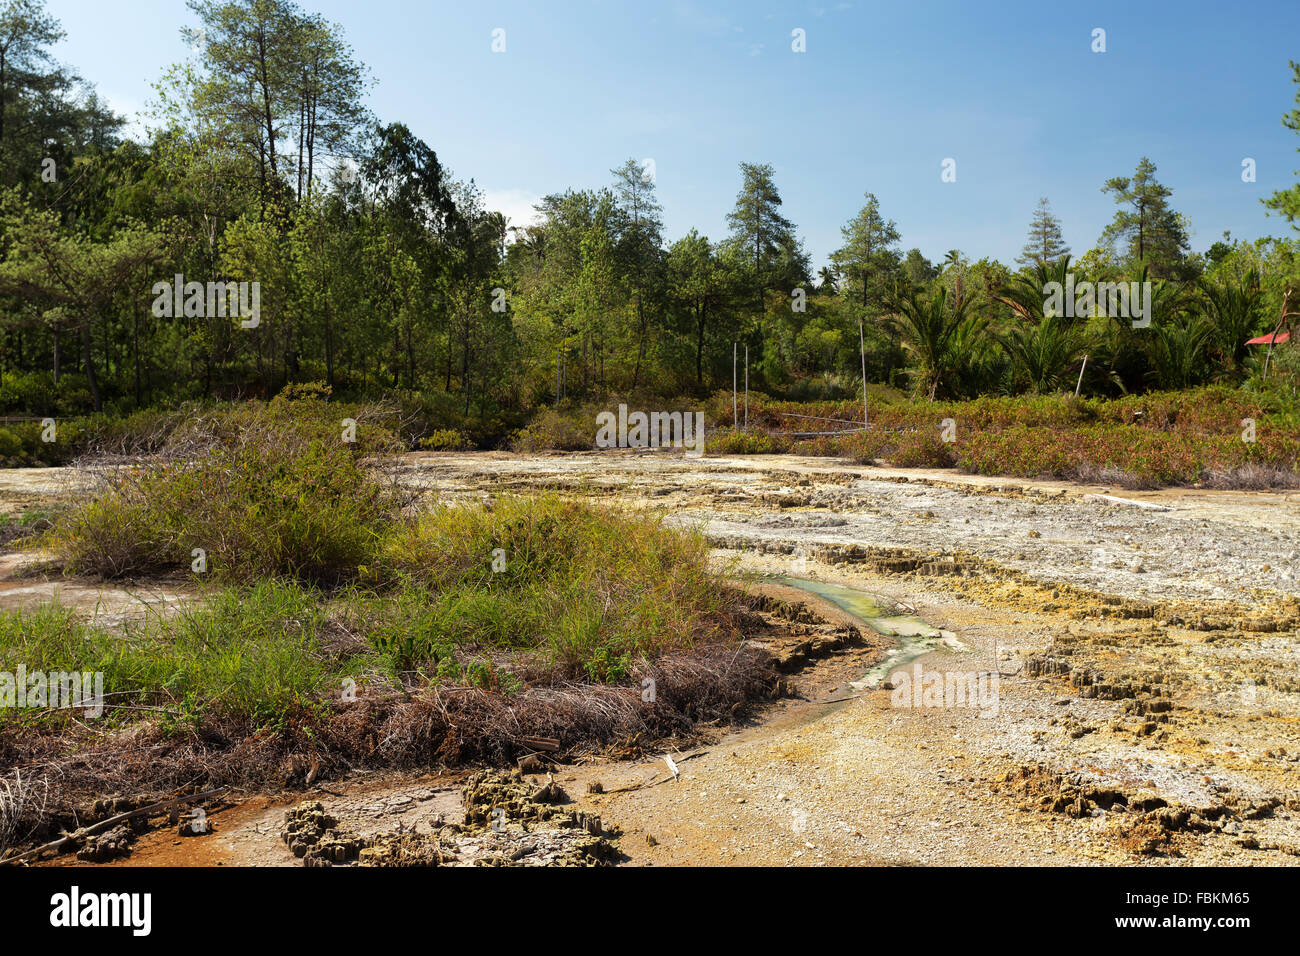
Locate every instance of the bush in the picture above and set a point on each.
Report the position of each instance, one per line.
(446, 439)
(281, 494)
(591, 589)
(923, 449)
(734, 441)
(554, 430)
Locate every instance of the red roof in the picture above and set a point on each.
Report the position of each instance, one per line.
(1265, 339)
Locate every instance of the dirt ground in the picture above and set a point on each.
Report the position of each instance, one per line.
(1143, 649)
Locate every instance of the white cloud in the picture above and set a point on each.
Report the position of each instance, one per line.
(130, 109)
(517, 204)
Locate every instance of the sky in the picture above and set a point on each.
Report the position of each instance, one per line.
(882, 94)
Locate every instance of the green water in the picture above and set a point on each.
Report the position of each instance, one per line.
(915, 637)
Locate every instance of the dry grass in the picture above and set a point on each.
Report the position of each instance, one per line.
(23, 800)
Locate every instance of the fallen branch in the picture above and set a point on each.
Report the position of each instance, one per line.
(84, 832)
(655, 783)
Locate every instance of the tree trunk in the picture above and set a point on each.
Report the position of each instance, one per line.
(88, 360)
(329, 348)
(136, 343)
(699, 346)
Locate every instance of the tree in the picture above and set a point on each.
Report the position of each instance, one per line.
(941, 336)
(639, 244)
(1150, 231)
(700, 286)
(758, 228)
(477, 256)
(1123, 354)
(406, 179)
(250, 80)
(1045, 242)
(26, 31)
(274, 76)
(1026, 292)
(869, 253)
(1043, 354)
(1287, 201)
(1233, 311)
(74, 278)
(329, 89)
(917, 269)
(1178, 351)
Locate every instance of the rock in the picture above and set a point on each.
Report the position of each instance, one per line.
(111, 845)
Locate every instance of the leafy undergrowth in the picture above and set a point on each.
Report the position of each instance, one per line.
(1218, 436)
(587, 588)
(279, 684)
(342, 630)
(63, 439)
(275, 489)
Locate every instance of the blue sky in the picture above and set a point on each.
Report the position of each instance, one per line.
(884, 93)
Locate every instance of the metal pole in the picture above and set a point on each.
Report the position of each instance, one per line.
(747, 386)
(862, 350)
(1080, 382)
(735, 414)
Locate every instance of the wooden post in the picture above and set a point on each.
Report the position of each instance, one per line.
(1272, 339)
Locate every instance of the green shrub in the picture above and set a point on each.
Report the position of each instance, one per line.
(282, 494)
(923, 449)
(446, 439)
(554, 430)
(590, 589)
(733, 441)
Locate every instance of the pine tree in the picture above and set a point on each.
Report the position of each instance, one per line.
(1287, 201)
(869, 254)
(1151, 231)
(758, 228)
(1045, 243)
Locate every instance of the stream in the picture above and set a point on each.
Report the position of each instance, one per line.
(915, 637)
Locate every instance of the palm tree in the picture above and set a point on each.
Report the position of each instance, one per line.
(1025, 294)
(943, 338)
(953, 261)
(1233, 311)
(1044, 354)
(1128, 355)
(1178, 350)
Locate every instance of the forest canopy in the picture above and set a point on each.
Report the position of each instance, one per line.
(378, 270)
